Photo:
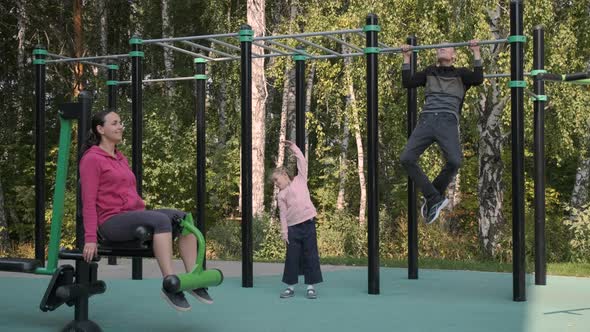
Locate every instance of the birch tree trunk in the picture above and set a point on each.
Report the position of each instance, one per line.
(78, 48)
(288, 103)
(256, 19)
(454, 192)
(491, 167)
(103, 13)
(341, 202)
(167, 31)
(20, 63)
(580, 191)
(454, 195)
(221, 96)
(308, 92)
(355, 121)
(343, 162)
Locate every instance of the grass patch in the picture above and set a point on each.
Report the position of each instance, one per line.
(569, 269)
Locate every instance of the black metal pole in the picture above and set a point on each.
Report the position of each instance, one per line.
(82, 268)
(246, 36)
(137, 130)
(112, 105)
(517, 118)
(112, 86)
(40, 146)
(539, 149)
(300, 100)
(85, 98)
(81, 302)
(201, 95)
(412, 103)
(372, 59)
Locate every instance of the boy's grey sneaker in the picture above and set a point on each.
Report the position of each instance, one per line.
(288, 292)
(423, 209)
(176, 300)
(202, 295)
(435, 209)
(311, 294)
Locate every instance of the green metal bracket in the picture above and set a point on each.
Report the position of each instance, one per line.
(539, 98)
(517, 84)
(39, 51)
(115, 67)
(135, 41)
(39, 61)
(372, 28)
(136, 53)
(517, 39)
(371, 50)
(112, 82)
(300, 57)
(200, 77)
(536, 72)
(246, 35)
(200, 60)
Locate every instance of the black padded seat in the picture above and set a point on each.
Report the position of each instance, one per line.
(23, 265)
(140, 247)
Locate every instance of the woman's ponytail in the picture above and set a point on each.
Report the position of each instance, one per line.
(93, 136)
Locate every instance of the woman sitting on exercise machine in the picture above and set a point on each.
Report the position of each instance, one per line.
(112, 206)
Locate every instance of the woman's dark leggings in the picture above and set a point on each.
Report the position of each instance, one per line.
(121, 227)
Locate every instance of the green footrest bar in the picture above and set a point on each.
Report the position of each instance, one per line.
(198, 277)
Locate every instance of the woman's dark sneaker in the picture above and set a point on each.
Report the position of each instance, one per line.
(176, 300)
(202, 295)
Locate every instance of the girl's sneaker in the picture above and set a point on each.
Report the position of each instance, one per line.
(288, 292)
(311, 294)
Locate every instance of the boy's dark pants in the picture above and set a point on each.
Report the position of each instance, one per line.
(443, 129)
(302, 254)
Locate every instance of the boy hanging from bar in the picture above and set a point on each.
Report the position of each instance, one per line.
(445, 88)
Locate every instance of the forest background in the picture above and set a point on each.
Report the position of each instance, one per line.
(478, 223)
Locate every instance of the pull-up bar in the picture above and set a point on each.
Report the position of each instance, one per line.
(173, 39)
(309, 34)
(565, 78)
(209, 49)
(155, 80)
(582, 78)
(100, 57)
(444, 45)
(65, 57)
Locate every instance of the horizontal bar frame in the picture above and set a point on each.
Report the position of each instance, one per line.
(156, 80)
(62, 58)
(444, 45)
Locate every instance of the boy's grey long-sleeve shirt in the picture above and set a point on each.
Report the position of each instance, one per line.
(445, 87)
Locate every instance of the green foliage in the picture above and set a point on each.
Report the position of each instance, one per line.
(224, 239)
(340, 234)
(272, 246)
(169, 134)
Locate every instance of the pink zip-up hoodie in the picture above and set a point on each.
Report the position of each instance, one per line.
(294, 202)
(108, 188)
